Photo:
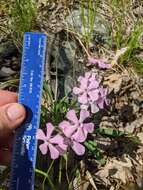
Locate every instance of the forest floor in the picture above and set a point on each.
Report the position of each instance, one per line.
(78, 30)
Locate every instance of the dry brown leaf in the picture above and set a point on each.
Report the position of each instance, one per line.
(90, 178)
(116, 169)
(118, 54)
(140, 136)
(114, 82)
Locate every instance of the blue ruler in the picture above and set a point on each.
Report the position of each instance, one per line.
(30, 90)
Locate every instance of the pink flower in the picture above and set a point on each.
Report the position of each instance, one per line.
(88, 88)
(76, 130)
(100, 63)
(99, 104)
(78, 148)
(54, 144)
(102, 98)
(90, 93)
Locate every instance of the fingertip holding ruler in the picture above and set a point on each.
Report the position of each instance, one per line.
(30, 90)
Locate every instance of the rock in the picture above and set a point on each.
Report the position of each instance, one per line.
(62, 58)
(100, 27)
(6, 72)
(62, 55)
(7, 49)
(66, 55)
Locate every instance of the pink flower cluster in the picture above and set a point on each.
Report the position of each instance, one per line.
(55, 144)
(74, 131)
(90, 93)
(99, 63)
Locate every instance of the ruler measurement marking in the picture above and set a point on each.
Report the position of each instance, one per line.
(17, 184)
(30, 91)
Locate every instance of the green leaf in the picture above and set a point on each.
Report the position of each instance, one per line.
(110, 132)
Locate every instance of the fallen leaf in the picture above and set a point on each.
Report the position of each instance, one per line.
(117, 169)
(114, 82)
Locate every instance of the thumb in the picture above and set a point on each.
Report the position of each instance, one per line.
(11, 116)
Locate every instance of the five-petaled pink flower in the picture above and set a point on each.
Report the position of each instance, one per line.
(55, 144)
(76, 130)
(98, 62)
(99, 104)
(88, 89)
(90, 92)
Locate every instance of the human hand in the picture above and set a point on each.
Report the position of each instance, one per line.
(12, 115)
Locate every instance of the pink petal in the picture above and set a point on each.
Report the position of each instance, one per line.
(63, 146)
(84, 106)
(100, 63)
(58, 139)
(71, 116)
(83, 115)
(92, 61)
(94, 95)
(67, 128)
(83, 83)
(108, 66)
(103, 65)
(93, 77)
(40, 135)
(94, 108)
(54, 152)
(80, 136)
(100, 103)
(89, 127)
(83, 98)
(50, 129)
(64, 124)
(93, 84)
(103, 91)
(87, 75)
(61, 151)
(77, 90)
(78, 148)
(43, 148)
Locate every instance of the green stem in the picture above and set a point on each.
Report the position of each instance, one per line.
(47, 176)
(51, 183)
(41, 172)
(60, 170)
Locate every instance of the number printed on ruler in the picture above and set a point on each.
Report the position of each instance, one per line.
(30, 91)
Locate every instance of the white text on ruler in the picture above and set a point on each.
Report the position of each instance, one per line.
(31, 81)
